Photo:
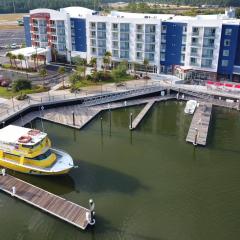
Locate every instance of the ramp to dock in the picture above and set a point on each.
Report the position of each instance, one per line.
(141, 115)
(46, 201)
(199, 127)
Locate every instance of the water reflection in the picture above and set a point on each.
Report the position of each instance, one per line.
(87, 177)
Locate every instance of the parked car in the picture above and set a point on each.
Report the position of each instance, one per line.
(13, 46)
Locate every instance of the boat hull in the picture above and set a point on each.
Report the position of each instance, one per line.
(59, 168)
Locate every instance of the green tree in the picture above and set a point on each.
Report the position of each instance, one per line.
(34, 58)
(21, 58)
(146, 64)
(9, 55)
(14, 57)
(62, 71)
(21, 84)
(93, 62)
(43, 74)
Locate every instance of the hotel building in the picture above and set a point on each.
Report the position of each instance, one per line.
(205, 47)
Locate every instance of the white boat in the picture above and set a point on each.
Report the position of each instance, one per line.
(190, 106)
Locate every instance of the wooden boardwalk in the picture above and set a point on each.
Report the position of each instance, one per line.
(46, 201)
(198, 130)
(83, 114)
(141, 115)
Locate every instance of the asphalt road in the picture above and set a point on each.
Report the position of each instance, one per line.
(8, 37)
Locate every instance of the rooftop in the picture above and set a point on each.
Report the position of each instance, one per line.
(12, 133)
(29, 51)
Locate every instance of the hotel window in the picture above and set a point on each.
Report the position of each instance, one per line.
(182, 58)
(228, 31)
(139, 46)
(226, 53)
(193, 61)
(93, 50)
(184, 29)
(162, 58)
(227, 42)
(224, 63)
(115, 44)
(115, 36)
(92, 34)
(164, 28)
(115, 53)
(115, 27)
(139, 27)
(124, 27)
(139, 55)
(124, 54)
(139, 37)
(93, 25)
(93, 42)
(195, 31)
(184, 38)
(207, 63)
(149, 56)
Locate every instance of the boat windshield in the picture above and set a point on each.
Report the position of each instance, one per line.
(43, 156)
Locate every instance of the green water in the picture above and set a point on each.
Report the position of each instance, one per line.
(148, 185)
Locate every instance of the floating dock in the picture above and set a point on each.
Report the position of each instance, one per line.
(199, 127)
(141, 115)
(46, 201)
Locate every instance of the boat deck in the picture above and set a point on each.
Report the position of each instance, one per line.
(46, 201)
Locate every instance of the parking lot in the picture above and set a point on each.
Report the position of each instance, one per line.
(8, 37)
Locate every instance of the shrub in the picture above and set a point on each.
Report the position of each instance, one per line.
(21, 84)
(22, 97)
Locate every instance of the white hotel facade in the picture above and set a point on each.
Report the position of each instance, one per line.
(205, 47)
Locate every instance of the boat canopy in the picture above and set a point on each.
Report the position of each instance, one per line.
(11, 135)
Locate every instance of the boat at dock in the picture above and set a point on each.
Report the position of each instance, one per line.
(190, 107)
(29, 151)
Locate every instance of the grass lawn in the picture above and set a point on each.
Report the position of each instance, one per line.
(9, 21)
(86, 83)
(8, 93)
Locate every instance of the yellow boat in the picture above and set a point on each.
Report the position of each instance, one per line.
(29, 151)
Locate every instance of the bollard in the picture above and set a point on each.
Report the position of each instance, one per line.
(195, 138)
(92, 213)
(13, 191)
(125, 103)
(73, 117)
(3, 171)
(130, 119)
(101, 125)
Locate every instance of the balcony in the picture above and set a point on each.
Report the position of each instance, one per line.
(207, 45)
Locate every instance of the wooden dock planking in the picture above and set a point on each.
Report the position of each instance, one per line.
(141, 115)
(200, 124)
(83, 113)
(46, 201)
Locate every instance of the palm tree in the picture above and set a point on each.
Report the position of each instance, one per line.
(109, 56)
(146, 63)
(21, 58)
(83, 63)
(54, 53)
(14, 57)
(43, 74)
(93, 62)
(34, 57)
(62, 71)
(9, 55)
(105, 63)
